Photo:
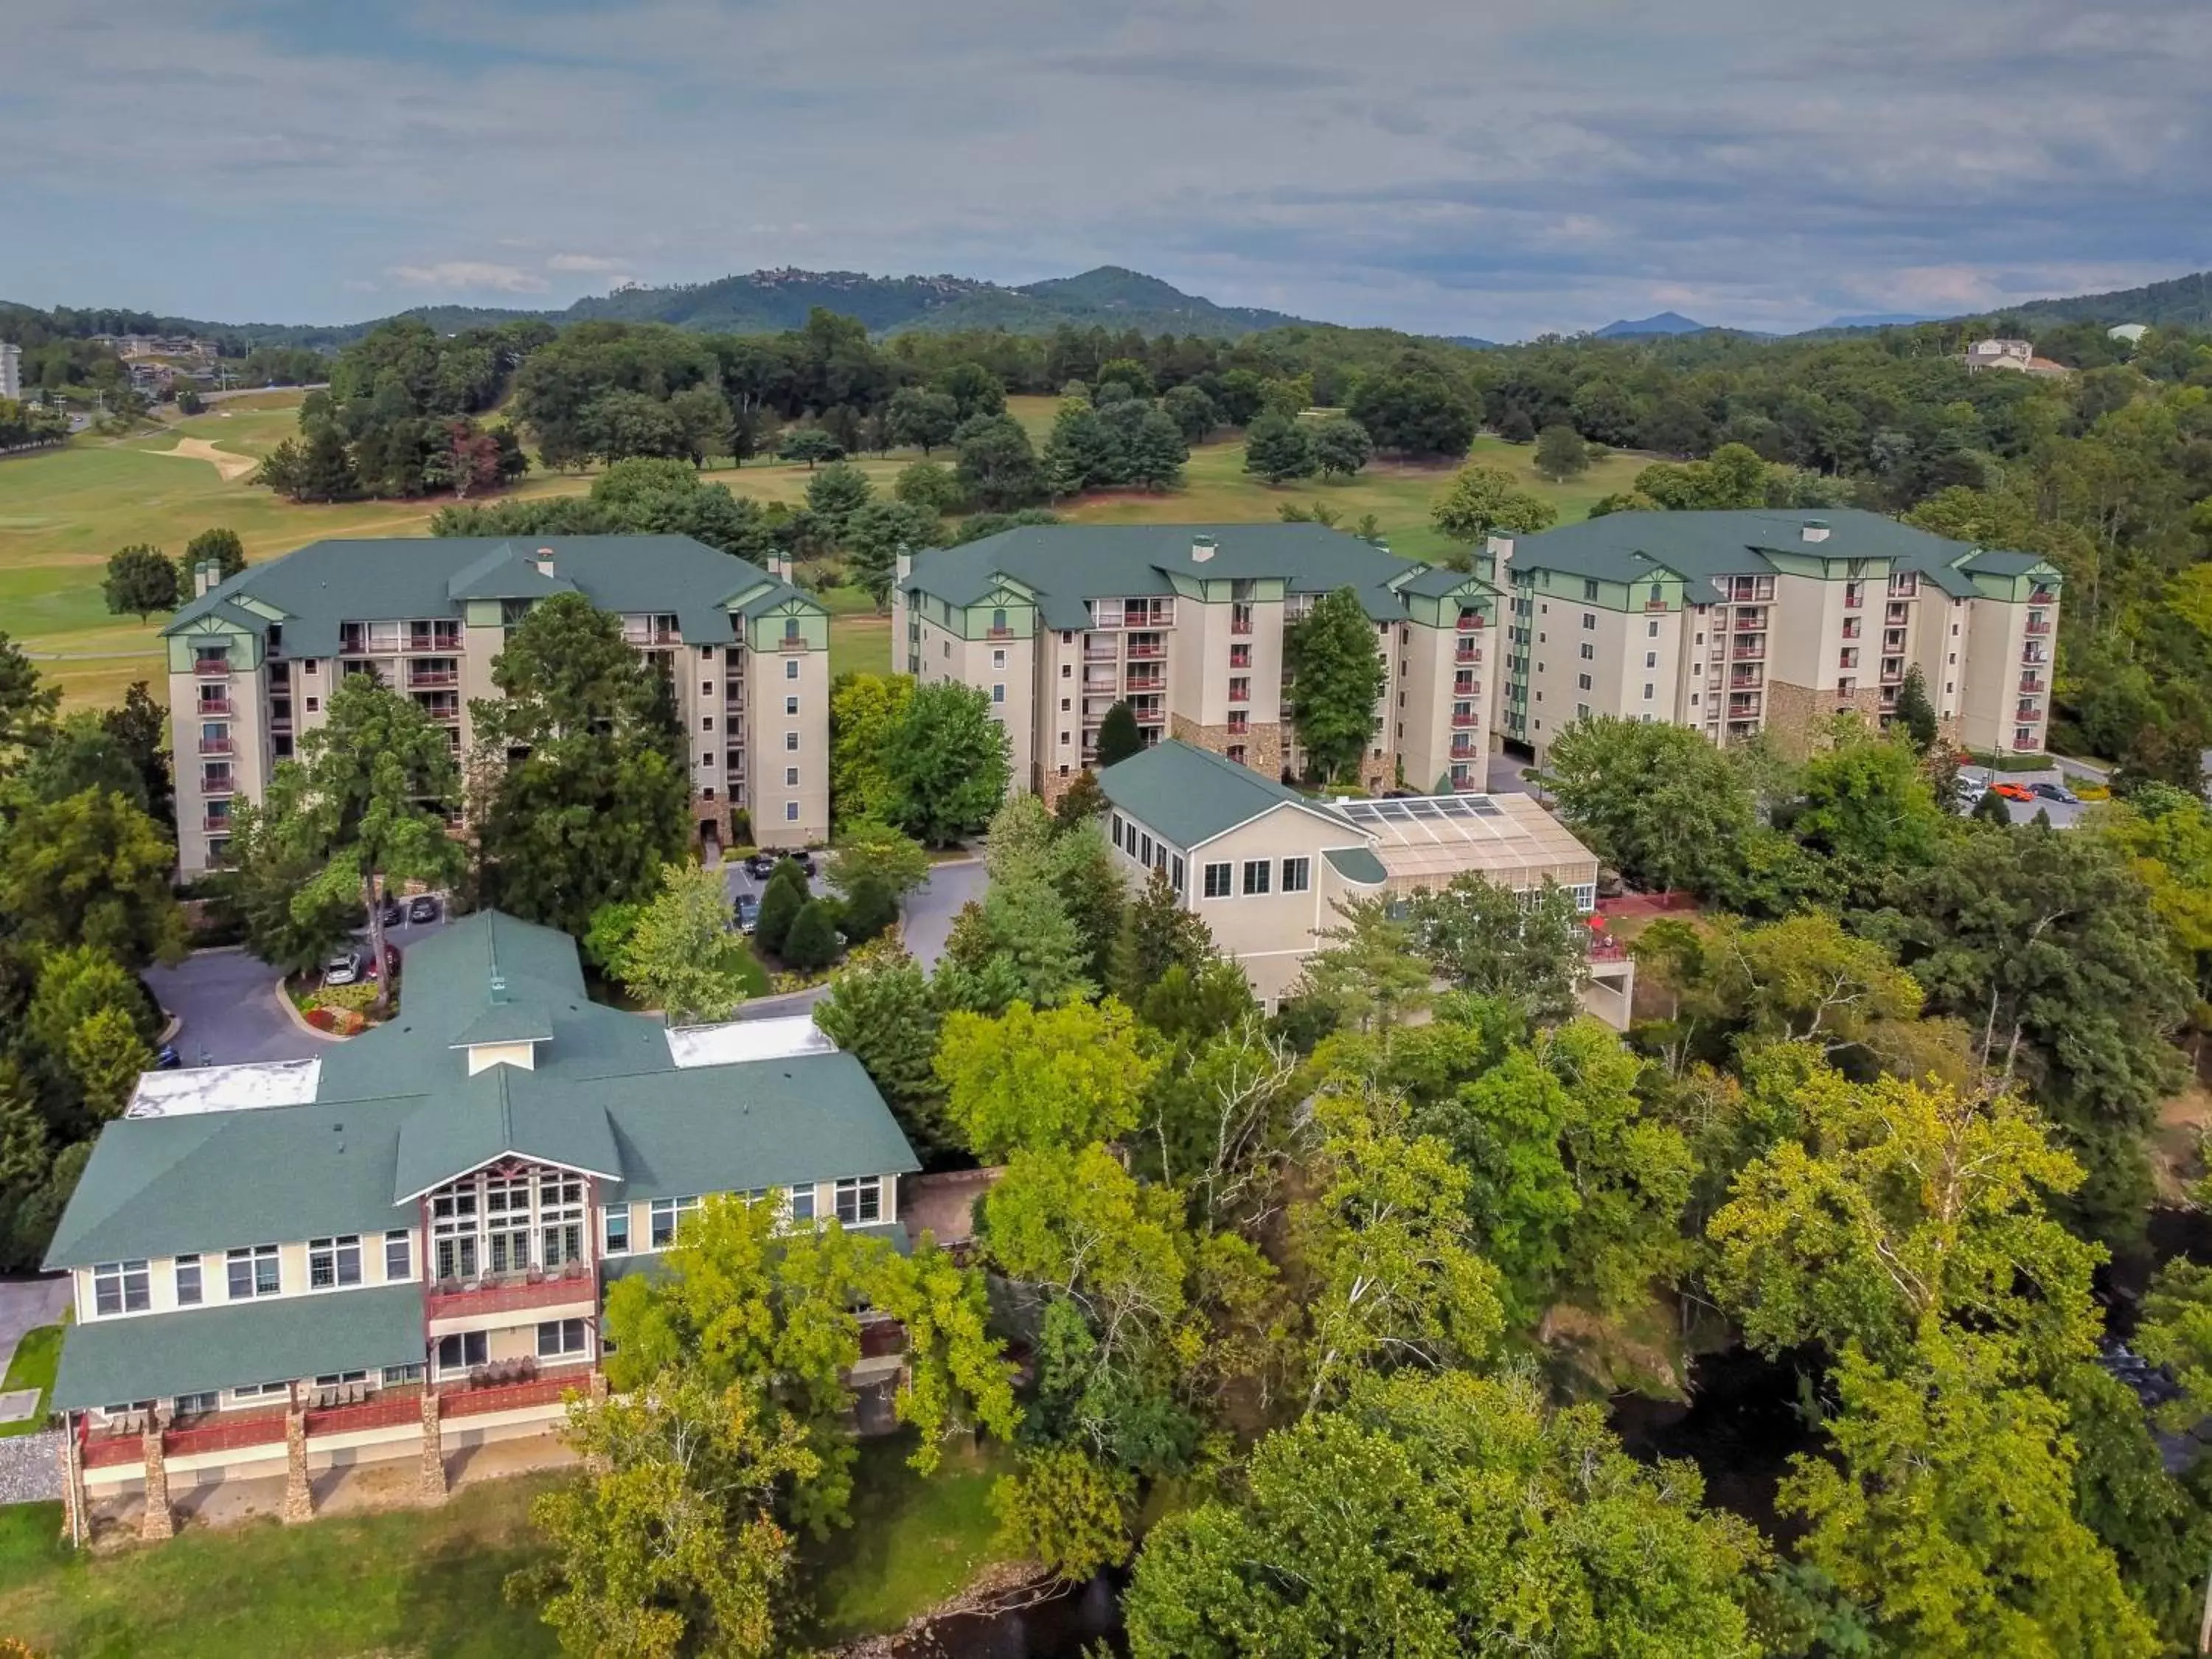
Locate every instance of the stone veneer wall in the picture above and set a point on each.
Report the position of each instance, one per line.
(1262, 741)
(1795, 712)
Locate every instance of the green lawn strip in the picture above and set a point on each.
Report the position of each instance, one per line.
(412, 1581)
(913, 1542)
(37, 1356)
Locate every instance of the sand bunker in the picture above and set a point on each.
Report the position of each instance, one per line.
(199, 449)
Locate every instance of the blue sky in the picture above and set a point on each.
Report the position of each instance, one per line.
(1463, 167)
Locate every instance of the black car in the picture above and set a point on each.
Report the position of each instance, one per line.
(762, 865)
(389, 912)
(424, 909)
(2058, 792)
(747, 912)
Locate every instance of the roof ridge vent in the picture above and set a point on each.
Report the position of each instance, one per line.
(1202, 549)
(1814, 529)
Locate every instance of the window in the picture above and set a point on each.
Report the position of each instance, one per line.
(666, 1213)
(706, 688)
(614, 1229)
(1651, 629)
(1240, 690)
(1582, 682)
(340, 1379)
(1067, 671)
(1240, 656)
(997, 693)
(1652, 659)
(1065, 738)
(791, 777)
(791, 634)
(860, 1201)
(791, 811)
(1174, 874)
(196, 1404)
(1590, 652)
(557, 1339)
(1216, 880)
(1647, 691)
(1235, 756)
(333, 1261)
(999, 658)
(1297, 875)
(399, 1255)
(706, 757)
(791, 742)
(188, 1281)
(802, 1203)
(253, 1272)
(1115, 821)
(398, 1376)
(1255, 877)
(121, 1287)
(1590, 619)
(790, 705)
(1582, 711)
(1590, 588)
(791, 669)
(260, 1390)
(459, 1352)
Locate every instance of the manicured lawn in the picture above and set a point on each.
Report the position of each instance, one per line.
(913, 1542)
(62, 512)
(36, 1358)
(428, 1582)
(414, 1582)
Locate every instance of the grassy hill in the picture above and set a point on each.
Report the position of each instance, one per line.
(62, 512)
(2185, 301)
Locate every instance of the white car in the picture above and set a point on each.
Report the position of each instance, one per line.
(342, 969)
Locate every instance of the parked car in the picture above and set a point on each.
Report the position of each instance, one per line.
(343, 968)
(2058, 792)
(166, 1058)
(747, 909)
(424, 909)
(389, 911)
(762, 865)
(2014, 791)
(391, 962)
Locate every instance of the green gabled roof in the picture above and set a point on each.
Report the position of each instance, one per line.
(1701, 546)
(500, 1112)
(505, 1023)
(403, 578)
(1190, 794)
(198, 1351)
(765, 1123)
(395, 1111)
(1065, 565)
(1438, 581)
(1993, 562)
(1357, 864)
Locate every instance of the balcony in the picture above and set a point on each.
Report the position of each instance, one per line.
(1753, 681)
(219, 788)
(1463, 749)
(2027, 711)
(444, 640)
(1137, 651)
(1474, 624)
(473, 1399)
(639, 634)
(1466, 653)
(2038, 627)
(513, 1292)
(1146, 679)
(2033, 684)
(1895, 616)
(1752, 617)
(1747, 653)
(1466, 720)
(733, 700)
(214, 825)
(221, 745)
(424, 678)
(2042, 596)
(211, 668)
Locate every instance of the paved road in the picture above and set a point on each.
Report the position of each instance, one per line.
(26, 1305)
(2063, 816)
(228, 1001)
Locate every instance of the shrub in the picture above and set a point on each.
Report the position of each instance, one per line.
(811, 943)
(870, 908)
(339, 1022)
(356, 996)
(785, 897)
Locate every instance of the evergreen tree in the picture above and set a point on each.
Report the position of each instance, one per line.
(1118, 735)
(1992, 808)
(1336, 679)
(881, 1013)
(810, 944)
(870, 909)
(326, 470)
(1914, 714)
(780, 904)
(1084, 798)
(1157, 934)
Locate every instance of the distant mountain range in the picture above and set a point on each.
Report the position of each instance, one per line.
(1666, 322)
(1881, 319)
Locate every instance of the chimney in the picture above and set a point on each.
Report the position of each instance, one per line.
(779, 565)
(1201, 548)
(543, 561)
(905, 564)
(205, 575)
(1815, 530)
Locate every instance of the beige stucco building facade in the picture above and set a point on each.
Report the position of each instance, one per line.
(1737, 622)
(253, 662)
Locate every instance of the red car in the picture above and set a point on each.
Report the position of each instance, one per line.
(2013, 791)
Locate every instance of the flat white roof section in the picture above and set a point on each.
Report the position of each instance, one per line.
(248, 1088)
(737, 1040)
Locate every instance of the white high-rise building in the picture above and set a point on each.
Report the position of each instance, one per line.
(11, 370)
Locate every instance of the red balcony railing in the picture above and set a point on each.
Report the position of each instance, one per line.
(1137, 651)
(508, 1296)
(2027, 713)
(216, 788)
(387, 1409)
(212, 668)
(1468, 652)
(2032, 683)
(215, 826)
(1467, 719)
(2039, 628)
(2042, 596)
(213, 706)
(1746, 654)
(113, 1451)
(228, 1432)
(466, 1401)
(221, 745)
(419, 679)
(1471, 625)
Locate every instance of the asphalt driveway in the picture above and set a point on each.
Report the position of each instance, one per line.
(927, 917)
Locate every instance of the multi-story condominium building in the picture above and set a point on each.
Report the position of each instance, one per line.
(11, 371)
(1735, 622)
(401, 1247)
(1266, 868)
(1186, 623)
(253, 660)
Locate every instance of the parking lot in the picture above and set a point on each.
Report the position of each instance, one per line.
(2064, 814)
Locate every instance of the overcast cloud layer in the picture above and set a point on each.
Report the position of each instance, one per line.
(1465, 166)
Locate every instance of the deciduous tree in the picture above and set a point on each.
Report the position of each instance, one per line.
(1337, 679)
(140, 581)
(1042, 1078)
(680, 956)
(1484, 500)
(91, 869)
(1278, 449)
(1341, 447)
(945, 761)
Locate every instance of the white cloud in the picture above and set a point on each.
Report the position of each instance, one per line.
(586, 262)
(467, 275)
